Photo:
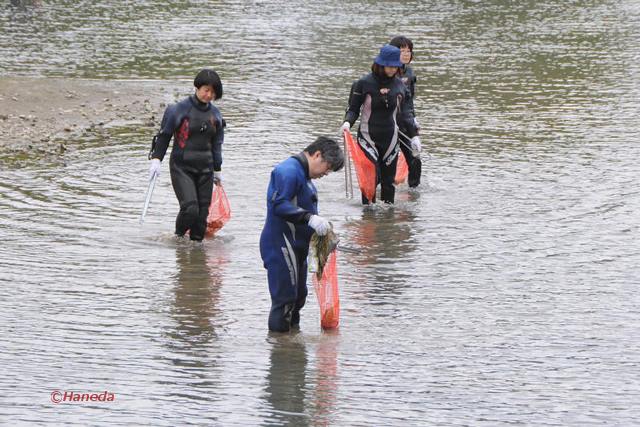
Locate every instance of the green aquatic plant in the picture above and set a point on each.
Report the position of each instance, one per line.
(320, 249)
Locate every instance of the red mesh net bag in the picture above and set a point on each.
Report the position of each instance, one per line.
(326, 287)
(219, 211)
(365, 169)
(402, 169)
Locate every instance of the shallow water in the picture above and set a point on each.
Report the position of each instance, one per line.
(503, 291)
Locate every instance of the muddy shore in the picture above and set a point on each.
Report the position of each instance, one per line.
(38, 115)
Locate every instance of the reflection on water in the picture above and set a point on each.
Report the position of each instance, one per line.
(286, 389)
(302, 389)
(326, 390)
(190, 338)
(24, 5)
(197, 290)
(385, 238)
(507, 296)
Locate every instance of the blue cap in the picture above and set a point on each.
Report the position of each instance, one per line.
(389, 56)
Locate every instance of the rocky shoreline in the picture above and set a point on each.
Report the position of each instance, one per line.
(37, 114)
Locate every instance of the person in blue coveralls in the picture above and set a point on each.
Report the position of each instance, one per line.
(292, 218)
(197, 129)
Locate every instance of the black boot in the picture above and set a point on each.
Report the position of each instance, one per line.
(388, 194)
(280, 318)
(415, 170)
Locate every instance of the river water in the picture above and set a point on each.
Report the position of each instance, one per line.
(501, 292)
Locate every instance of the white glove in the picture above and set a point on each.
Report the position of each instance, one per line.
(345, 126)
(154, 168)
(217, 177)
(416, 147)
(319, 224)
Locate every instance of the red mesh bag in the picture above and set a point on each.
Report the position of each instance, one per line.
(219, 211)
(365, 169)
(402, 169)
(326, 288)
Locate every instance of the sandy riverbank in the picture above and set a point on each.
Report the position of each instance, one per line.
(36, 114)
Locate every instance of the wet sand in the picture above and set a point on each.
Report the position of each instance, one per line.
(38, 114)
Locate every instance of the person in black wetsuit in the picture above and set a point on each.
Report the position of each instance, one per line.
(378, 98)
(197, 129)
(409, 79)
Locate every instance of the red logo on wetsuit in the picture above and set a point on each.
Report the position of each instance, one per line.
(183, 134)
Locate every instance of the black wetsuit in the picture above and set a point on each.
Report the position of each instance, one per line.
(415, 164)
(379, 101)
(198, 133)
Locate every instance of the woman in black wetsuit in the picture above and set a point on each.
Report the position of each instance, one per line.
(197, 129)
(377, 99)
(408, 77)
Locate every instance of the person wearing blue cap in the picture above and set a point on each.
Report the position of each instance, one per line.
(377, 99)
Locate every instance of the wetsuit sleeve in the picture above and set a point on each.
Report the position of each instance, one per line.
(167, 128)
(412, 94)
(405, 116)
(356, 98)
(285, 190)
(216, 146)
(414, 81)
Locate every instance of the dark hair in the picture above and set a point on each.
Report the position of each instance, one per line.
(402, 41)
(329, 150)
(378, 70)
(211, 78)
